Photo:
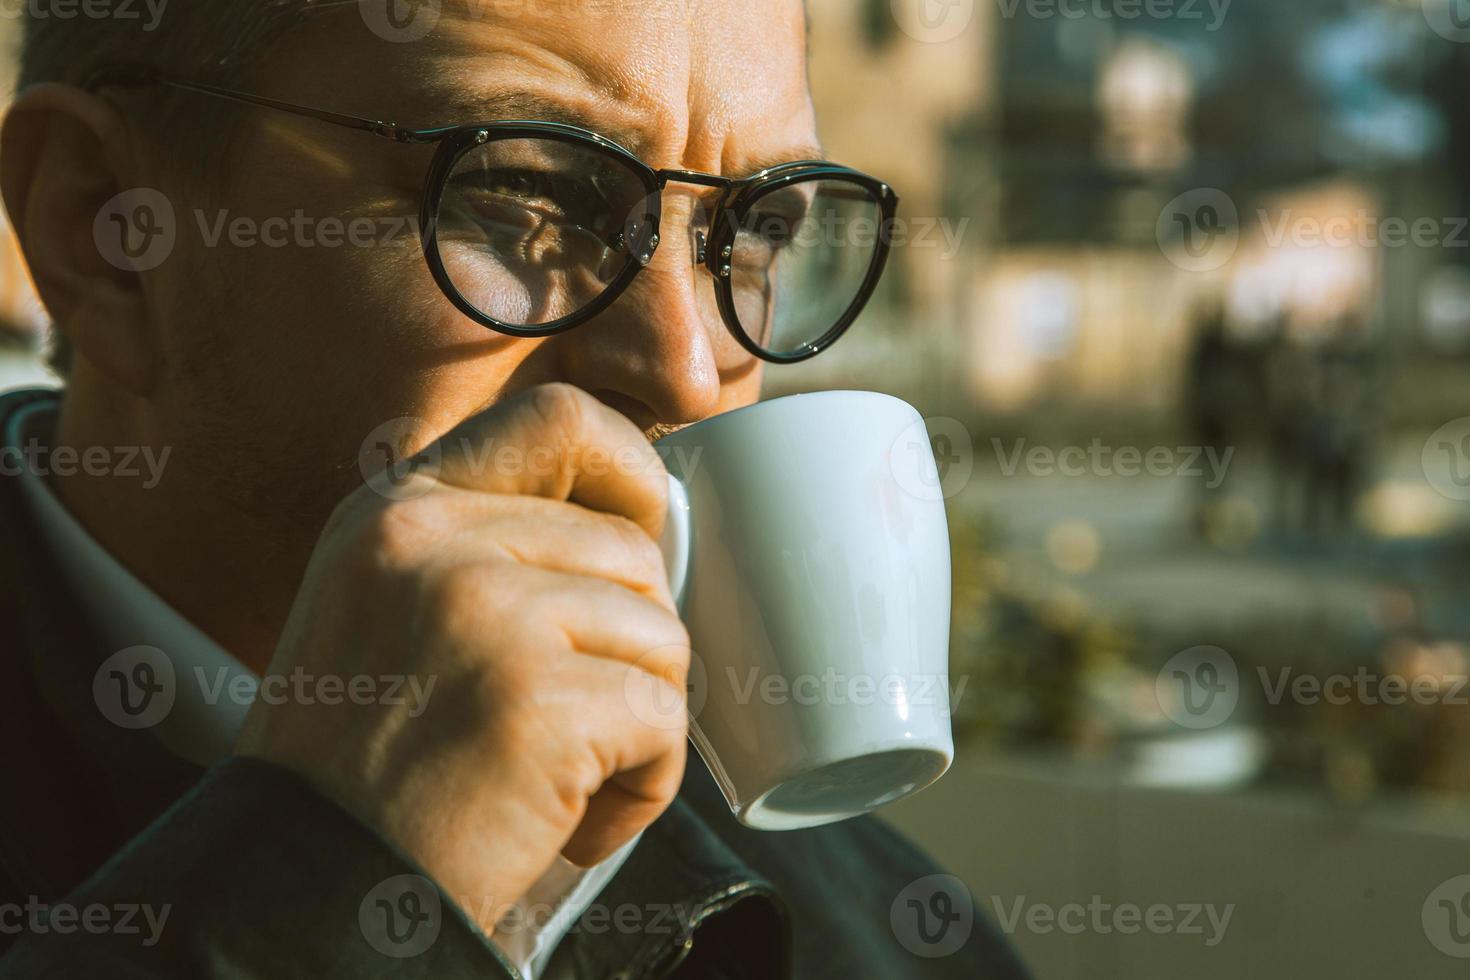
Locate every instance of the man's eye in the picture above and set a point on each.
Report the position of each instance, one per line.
(551, 196)
(506, 186)
(525, 184)
(763, 236)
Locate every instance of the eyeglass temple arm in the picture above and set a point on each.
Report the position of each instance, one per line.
(387, 130)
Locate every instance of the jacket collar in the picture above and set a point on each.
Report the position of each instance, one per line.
(89, 786)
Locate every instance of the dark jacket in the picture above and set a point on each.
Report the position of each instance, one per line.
(263, 877)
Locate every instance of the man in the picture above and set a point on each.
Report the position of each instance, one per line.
(231, 360)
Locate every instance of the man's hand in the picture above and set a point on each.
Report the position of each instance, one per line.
(528, 598)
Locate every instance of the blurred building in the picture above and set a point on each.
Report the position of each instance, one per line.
(889, 93)
(1063, 143)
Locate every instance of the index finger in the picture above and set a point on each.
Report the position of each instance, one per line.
(559, 442)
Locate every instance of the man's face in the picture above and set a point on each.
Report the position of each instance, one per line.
(284, 358)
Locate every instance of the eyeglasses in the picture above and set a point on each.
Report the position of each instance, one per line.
(533, 228)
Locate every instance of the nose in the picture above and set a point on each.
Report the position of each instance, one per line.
(650, 355)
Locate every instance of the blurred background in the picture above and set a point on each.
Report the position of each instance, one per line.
(1185, 296)
(1192, 331)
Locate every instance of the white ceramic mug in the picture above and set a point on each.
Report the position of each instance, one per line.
(810, 560)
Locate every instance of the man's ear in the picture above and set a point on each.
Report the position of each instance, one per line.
(65, 156)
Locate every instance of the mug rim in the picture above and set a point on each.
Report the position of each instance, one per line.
(760, 814)
(785, 401)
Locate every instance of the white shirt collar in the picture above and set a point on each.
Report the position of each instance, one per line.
(203, 730)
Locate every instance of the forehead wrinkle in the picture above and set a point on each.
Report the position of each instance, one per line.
(658, 79)
(744, 119)
(479, 98)
(634, 99)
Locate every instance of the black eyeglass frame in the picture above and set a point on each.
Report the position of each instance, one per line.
(730, 210)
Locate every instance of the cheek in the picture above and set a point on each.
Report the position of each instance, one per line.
(321, 344)
(741, 391)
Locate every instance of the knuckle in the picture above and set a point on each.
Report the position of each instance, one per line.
(396, 534)
(638, 546)
(349, 514)
(508, 684)
(668, 655)
(540, 608)
(656, 705)
(677, 640)
(676, 744)
(452, 596)
(559, 407)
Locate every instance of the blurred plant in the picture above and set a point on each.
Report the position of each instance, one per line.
(1029, 660)
(1044, 669)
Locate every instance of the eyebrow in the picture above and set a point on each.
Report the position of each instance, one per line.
(509, 106)
(516, 105)
(799, 153)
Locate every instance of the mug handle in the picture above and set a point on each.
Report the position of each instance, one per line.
(675, 541)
